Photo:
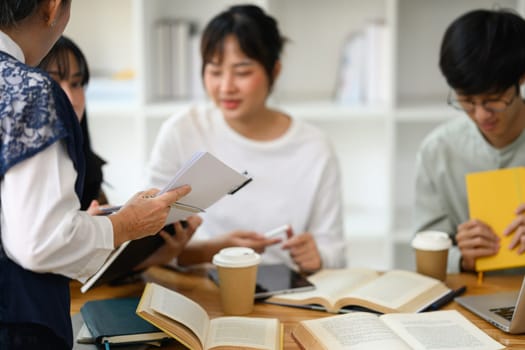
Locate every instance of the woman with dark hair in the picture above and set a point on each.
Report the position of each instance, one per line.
(67, 65)
(44, 238)
(295, 171)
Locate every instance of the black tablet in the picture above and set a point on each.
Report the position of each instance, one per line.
(274, 279)
(118, 267)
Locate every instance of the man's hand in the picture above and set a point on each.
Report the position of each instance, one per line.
(475, 239)
(517, 227)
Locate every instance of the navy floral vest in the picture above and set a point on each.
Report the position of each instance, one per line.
(34, 113)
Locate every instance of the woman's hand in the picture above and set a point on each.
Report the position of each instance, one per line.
(303, 251)
(249, 239)
(173, 244)
(144, 214)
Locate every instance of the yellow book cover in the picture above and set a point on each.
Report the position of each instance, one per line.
(493, 197)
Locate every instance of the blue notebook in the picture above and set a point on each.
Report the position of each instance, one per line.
(115, 321)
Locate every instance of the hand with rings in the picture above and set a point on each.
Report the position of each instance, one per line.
(475, 239)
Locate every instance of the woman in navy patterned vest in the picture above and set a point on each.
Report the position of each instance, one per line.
(44, 237)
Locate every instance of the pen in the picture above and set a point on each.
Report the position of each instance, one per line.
(181, 206)
(446, 299)
(187, 207)
(110, 210)
(277, 231)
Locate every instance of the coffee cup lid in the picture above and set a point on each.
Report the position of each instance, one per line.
(432, 240)
(236, 257)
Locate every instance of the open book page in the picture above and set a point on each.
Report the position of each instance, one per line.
(245, 332)
(395, 289)
(426, 330)
(330, 285)
(356, 331)
(180, 309)
(171, 327)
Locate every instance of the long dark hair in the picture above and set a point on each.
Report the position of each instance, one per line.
(59, 55)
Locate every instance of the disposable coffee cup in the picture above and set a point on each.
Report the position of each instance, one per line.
(237, 269)
(431, 248)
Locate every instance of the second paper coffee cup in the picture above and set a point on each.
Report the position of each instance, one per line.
(237, 270)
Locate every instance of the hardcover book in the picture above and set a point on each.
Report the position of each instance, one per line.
(115, 321)
(493, 197)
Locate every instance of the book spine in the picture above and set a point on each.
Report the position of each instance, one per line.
(163, 84)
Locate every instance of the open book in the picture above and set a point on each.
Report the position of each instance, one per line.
(189, 323)
(445, 330)
(493, 197)
(210, 180)
(392, 291)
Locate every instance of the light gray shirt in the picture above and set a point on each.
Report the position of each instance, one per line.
(446, 155)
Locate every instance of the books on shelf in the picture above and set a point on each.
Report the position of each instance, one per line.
(377, 79)
(178, 61)
(351, 79)
(188, 322)
(363, 76)
(392, 291)
(210, 180)
(114, 321)
(446, 330)
(493, 197)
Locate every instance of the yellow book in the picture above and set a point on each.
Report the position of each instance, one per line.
(493, 197)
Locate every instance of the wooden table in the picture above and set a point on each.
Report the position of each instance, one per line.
(197, 286)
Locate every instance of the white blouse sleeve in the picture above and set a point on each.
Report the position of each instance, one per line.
(326, 220)
(43, 229)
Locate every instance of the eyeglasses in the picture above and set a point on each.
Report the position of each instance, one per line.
(490, 105)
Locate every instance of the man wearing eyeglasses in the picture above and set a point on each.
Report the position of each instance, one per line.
(483, 60)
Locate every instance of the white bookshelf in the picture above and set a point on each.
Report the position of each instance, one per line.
(376, 144)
